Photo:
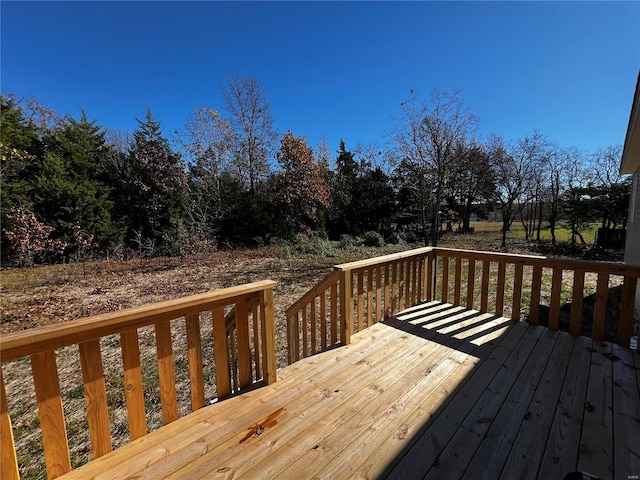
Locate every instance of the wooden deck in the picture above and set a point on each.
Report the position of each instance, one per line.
(438, 392)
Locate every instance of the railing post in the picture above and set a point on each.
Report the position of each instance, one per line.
(268, 336)
(430, 279)
(9, 461)
(625, 327)
(346, 307)
(52, 425)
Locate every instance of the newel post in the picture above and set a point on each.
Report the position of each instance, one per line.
(268, 336)
(346, 307)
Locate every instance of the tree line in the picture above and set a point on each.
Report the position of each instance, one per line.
(72, 188)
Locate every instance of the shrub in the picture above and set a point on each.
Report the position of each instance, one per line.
(314, 245)
(349, 242)
(373, 239)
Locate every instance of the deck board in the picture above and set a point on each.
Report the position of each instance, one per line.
(561, 452)
(596, 442)
(436, 392)
(528, 449)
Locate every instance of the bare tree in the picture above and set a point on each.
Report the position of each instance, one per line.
(251, 122)
(575, 180)
(369, 157)
(473, 180)
(425, 141)
(607, 163)
(323, 155)
(115, 160)
(612, 186)
(205, 139)
(515, 170)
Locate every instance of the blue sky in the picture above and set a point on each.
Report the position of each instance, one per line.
(338, 69)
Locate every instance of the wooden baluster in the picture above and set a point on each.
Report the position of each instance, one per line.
(244, 344)
(360, 301)
(268, 336)
(296, 332)
(313, 327)
(166, 372)
(52, 426)
(8, 459)
(600, 309)
(420, 277)
(257, 338)
(502, 266)
(401, 285)
(445, 279)
(379, 315)
(534, 307)
(484, 293)
(305, 334)
(369, 296)
(458, 281)
(415, 282)
(429, 281)
(221, 353)
(394, 288)
(194, 355)
(471, 278)
(576, 302)
(293, 340)
(323, 319)
(233, 359)
(517, 292)
(387, 289)
(407, 283)
(625, 327)
(556, 291)
(133, 388)
(334, 314)
(346, 308)
(95, 394)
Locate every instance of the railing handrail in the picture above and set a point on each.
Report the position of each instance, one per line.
(388, 281)
(331, 278)
(550, 262)
(382, 259)
(40, 339)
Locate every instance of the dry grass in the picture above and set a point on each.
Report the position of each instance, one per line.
(50, 294)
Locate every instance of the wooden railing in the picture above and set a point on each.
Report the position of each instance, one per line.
(356, 295)
(243, 348)
(516, 285)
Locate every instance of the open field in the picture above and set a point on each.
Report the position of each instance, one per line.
(50, 294)
(517, 231)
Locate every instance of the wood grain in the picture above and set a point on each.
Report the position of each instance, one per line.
(166, 372)
(95, 394)
(54, 432)
(194, 357)
(221, 354)
(8, 459)
(133, 389)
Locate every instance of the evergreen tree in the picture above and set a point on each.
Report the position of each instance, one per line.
(342, 214)
(70, 191)
(160, 189)
(21, 151)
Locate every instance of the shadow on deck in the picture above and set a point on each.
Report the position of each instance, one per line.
(436, 392)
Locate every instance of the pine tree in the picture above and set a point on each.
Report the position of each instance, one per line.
(21, 152)
(160, 183)
(71, 191)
